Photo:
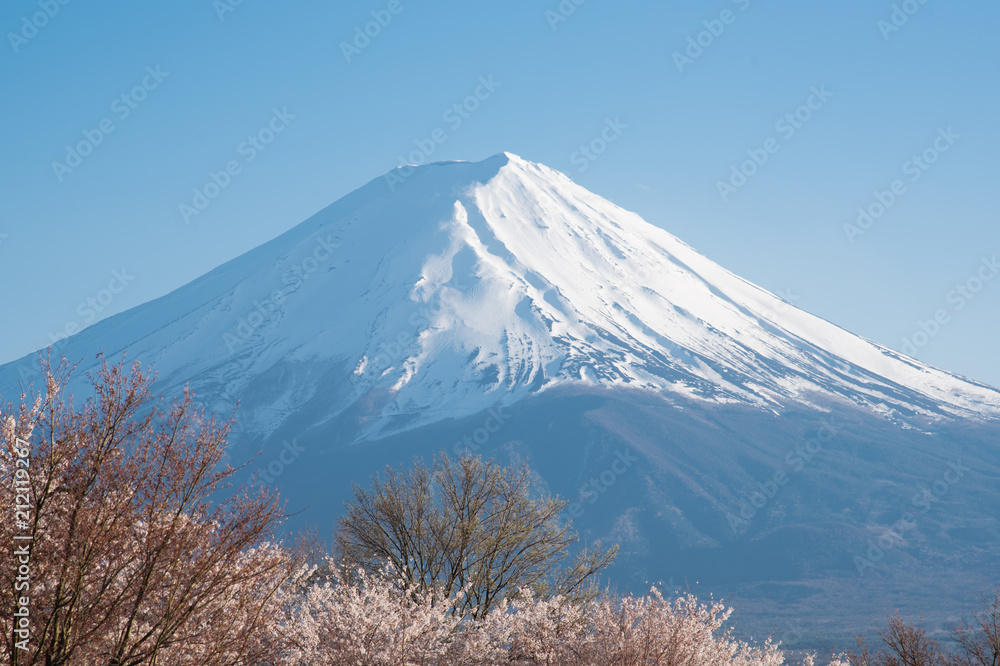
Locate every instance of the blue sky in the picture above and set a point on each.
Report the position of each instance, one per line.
(162, 96)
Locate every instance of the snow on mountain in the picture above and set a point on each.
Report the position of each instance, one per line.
(438, 291)
(714, 432)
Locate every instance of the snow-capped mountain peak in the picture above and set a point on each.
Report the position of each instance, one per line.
(438, 291)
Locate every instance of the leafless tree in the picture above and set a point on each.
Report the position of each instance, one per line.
(466, 524)
(906, 644)
(979, 642)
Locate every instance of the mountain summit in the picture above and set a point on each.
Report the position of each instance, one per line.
(521, 280)
(440, 290)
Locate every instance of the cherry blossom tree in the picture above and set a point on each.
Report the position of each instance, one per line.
(126, 558)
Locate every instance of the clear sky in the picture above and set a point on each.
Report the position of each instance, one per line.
(153, 98)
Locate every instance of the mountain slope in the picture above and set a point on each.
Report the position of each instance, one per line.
(460, 285)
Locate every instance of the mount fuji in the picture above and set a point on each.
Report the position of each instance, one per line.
(714, 431)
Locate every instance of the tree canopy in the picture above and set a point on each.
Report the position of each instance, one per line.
(466, 525)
